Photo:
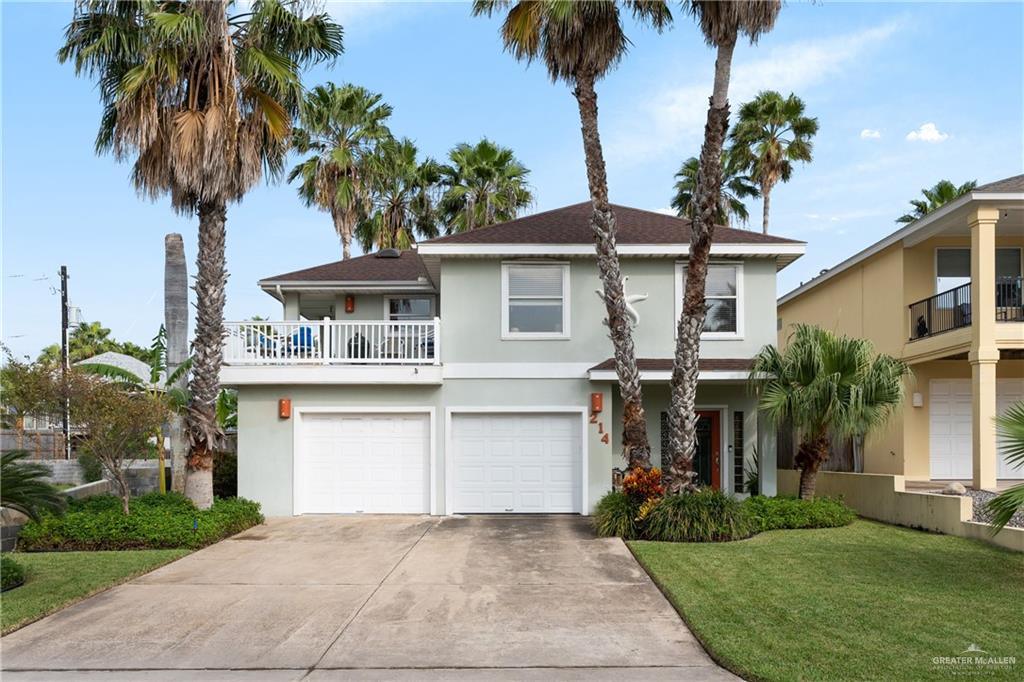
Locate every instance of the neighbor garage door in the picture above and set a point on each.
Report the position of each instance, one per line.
(365, 462)
(950, 441)
(516, 463)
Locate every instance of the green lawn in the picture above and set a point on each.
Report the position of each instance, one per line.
(54, 580)
(863, 602)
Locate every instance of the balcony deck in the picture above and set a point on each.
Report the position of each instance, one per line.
(950, 310)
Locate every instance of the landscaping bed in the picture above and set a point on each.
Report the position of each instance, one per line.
(156, 521)
(863, 602)
(54, 580)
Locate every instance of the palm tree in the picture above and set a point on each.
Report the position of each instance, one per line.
(175, 350)
(736, 186)
(579, 43)
(771, 134)
(202, 100)
(342, 127)
(822, 385)
(721, 23)
(25, 488)
(402, 198)
(941, 193)
(1010, 427)
(484, 184)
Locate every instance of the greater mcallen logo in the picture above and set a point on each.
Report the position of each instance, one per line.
(974, 660)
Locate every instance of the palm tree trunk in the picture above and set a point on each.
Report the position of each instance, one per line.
(808, 480)
(176, 327)
(810, 456)
(211, 276)
(636, 449)
(682, 416)
(766, 192)
(343, 227)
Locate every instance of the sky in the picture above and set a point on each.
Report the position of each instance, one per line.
(905, 95)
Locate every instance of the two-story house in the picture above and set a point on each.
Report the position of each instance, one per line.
(473, 373)
(944, 294)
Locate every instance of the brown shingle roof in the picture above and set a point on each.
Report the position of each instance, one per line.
(408, 267)
(1014, 184)
(571, 225)
(665, 365)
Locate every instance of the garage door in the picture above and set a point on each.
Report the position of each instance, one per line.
(516, 463)
(367, 462)
(950, 429)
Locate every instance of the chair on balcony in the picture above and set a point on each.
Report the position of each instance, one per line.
(303, 343)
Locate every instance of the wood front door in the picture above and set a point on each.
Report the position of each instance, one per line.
(708, 458)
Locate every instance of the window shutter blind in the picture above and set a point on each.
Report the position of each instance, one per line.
(535, 280)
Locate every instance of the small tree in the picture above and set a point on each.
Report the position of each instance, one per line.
(119, 422)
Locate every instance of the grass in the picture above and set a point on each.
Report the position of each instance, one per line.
(54, 580)
(863, 602)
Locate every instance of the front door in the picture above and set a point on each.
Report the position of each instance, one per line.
(707, 460)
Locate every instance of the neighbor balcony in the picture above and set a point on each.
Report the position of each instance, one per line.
(330, 351)
(950, 310)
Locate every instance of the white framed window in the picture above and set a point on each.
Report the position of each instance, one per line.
(534, 300)
(409, 308)
(723, 294)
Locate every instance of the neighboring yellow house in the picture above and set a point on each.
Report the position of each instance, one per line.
(944, 293)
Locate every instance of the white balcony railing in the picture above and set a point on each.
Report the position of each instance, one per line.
(330, 342)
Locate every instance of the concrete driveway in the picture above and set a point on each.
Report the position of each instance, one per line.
(377, 598)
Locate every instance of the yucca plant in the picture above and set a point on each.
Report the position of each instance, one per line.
(1010, 428)
(23, 486)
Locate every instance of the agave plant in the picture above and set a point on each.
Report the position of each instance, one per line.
(1010, 428)
(25, 488)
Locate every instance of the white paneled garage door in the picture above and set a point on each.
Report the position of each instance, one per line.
(950, 430)
(515, 463)
(363, 462)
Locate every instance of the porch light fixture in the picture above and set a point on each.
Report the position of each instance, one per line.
(284, 408)
(917, 400)
(596, 403)
(350, 304)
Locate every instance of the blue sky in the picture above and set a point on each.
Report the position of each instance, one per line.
(871, 73)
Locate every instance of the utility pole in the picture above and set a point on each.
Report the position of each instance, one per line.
(65, 359)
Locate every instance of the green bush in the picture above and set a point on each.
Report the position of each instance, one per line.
(616, 516)
(11, 573)
(156, 522)
(773, 513)
(225, 474)
(91, 468)
(704, 516)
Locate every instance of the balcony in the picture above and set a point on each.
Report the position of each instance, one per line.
(951, 309)
(330, 342)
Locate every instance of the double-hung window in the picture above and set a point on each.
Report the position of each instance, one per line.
(723, 297)
(535, 300)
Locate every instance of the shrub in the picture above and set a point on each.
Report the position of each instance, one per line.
(772, 513)
(225, 474)
(11, 573)
(91, 468)
(703, 516)
(155, 521)
(641, 484)
(617, 515)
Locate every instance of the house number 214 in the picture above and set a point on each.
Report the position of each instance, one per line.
(600, 427)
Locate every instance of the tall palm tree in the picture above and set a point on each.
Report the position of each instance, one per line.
(772, 133)
(176, 348)
(822, 385)
(483, 184)
(1010, 427)
(942, 192)
(579, 43)
(403, 202)
(342, 127)
(736, 186)
(202, 100)
(721, 23)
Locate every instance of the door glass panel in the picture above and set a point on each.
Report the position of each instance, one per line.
(1007, 263)
(952, 269)
(702, 458)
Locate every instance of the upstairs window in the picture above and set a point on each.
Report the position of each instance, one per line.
(401, 309)
(535, 300)
(723, 296)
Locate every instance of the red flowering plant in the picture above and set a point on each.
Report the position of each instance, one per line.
(643, 485)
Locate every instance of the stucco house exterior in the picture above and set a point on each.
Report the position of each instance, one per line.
(473, 373)
(944, 294)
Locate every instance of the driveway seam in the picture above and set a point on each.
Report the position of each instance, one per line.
(368, 598)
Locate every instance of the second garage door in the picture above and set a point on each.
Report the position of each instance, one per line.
(950, 428)
(516, 463)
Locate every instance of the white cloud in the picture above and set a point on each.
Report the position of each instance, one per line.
(928, 132)
(671, 120)
(869, 134)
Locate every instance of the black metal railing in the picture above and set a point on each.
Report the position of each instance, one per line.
(1010, 299)
(941, 313)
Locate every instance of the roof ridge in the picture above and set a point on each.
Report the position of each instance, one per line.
(502, 223)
